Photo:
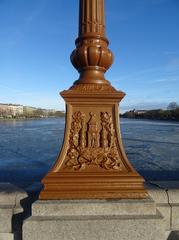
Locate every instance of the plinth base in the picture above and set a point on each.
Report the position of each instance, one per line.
(96, 186)
(94, 220)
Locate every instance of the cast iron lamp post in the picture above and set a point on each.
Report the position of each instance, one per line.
(92, 162)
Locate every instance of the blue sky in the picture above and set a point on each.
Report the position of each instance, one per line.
(37, 38)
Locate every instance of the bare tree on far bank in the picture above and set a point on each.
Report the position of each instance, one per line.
(172, 106)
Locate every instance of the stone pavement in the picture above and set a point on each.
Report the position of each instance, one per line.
(150, 219)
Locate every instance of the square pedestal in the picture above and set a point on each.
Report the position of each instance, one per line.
(94, 220)
(92, 163)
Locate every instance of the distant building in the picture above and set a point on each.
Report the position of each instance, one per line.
(28, 109)
(10, 109)
(17, 110)
(47, 111)
(139, 112)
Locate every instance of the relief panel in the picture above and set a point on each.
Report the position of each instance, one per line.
(92, 142)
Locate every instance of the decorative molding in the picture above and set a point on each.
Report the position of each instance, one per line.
(93, 88)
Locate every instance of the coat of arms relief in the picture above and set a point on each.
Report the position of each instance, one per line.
(92, 142)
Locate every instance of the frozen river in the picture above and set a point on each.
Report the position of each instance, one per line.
(29, 148)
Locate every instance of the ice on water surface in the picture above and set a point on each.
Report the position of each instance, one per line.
(29, 148)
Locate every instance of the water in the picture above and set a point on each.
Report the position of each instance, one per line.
(29, 148)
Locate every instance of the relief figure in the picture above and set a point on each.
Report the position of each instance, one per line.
(93, 133)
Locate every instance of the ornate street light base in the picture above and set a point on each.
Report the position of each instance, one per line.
(92, 163)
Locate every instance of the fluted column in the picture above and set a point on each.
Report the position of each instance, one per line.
(92, 19)
(91, 57)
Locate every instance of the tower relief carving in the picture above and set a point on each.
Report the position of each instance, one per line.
(92, 143)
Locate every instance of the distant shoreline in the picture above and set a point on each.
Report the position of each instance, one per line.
(29, 118)
(15, 111)
(156, 114)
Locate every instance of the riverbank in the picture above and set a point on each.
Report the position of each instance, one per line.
(157, 114)
(30, 118)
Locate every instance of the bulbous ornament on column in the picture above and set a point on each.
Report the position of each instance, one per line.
(92, 162)
(92, 59)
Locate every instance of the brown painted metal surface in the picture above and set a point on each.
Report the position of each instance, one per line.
(92, 162)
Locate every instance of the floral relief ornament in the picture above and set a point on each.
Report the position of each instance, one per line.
(92, 143)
